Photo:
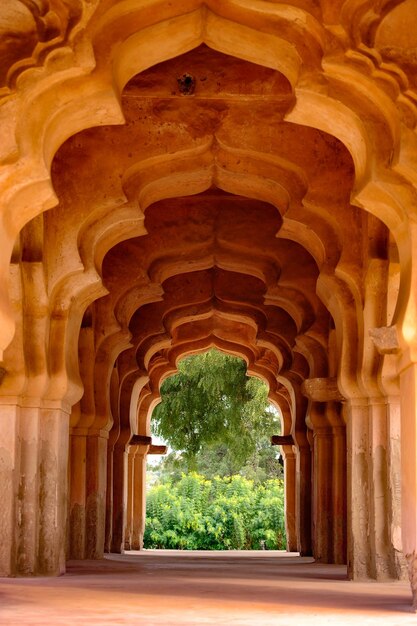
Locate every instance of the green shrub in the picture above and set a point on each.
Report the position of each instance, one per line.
(230, 513)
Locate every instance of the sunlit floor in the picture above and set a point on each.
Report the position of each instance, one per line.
(186, 588)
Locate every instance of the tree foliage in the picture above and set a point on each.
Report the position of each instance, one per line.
(219, 514)
(218, 460)
(211, 402)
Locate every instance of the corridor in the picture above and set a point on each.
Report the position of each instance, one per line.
(192, 588)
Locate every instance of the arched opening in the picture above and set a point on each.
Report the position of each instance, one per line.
(221, 485)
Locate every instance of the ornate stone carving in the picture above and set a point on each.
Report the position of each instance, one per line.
(31, 28)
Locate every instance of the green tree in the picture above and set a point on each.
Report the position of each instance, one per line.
(218, 460)
(212, 405)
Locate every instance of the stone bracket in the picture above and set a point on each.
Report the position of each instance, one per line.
(322, 390)
(140, 440)
(385, 339)
(282, 440)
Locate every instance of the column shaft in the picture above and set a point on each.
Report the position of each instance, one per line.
(408, 386)
(304, 500)
(139, 500)
(359, 549)
(119, 498)
(129, 497)
(339, 494)
(290, 498)
(96, 486)
(78, 445)
(322, 490)
(9, 461)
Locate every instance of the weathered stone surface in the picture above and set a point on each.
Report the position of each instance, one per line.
(385, 339)
(412, 573)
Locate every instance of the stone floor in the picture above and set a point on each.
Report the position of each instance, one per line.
(193, 588)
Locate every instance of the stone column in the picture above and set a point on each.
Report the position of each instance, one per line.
(53, 460)
(9, 468)
(78, 443)
(113, 437)
(129, 497)
(303, 478)
(380, 505)
(358, 488)
(96, 485)
(119, 498)
(339, 494)
(394, 480)
(290, 497)
(370, 548)
(139, 498)
(27, 504)
(108, 531)
(386, 342)
(322, 493)
(408, 386)
(33, 490)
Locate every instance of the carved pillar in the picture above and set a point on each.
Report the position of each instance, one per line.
(380, 505)
(387, 345)
(119, 498)
(329, 475)
(33, 490)
(113, 436)
(9, 467)
(371, 553)
(27, 504)
(408, 386)
(108, 531)
(394, 480)
(96, 485)
(78, 443)
(139, 500)
(53, 459)
(339, 494)
(303, 501)
(358, 545)
(130, 496)
(290, 497)
(322, 493)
